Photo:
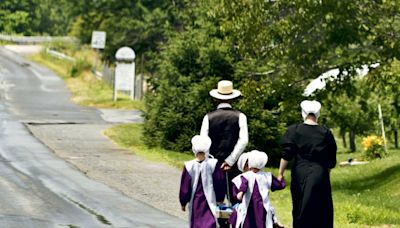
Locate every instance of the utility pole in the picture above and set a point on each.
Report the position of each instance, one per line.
(382, 126)
(141, 77)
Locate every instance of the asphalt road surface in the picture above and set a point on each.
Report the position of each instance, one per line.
(37, 188)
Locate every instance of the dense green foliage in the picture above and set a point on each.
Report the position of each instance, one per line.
(354, 109)
(269, 49)
(32, 17)
(272, 50)
(180, 99)
(138, 24)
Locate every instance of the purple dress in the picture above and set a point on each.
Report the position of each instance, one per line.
(202, 216)
(256, 213)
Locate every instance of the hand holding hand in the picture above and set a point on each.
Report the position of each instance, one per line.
(280, 177)
(239, 196)
(225, 166)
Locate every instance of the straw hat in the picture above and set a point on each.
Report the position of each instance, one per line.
(225, 91)
(308, 107)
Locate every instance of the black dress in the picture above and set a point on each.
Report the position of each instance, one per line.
(313, 148)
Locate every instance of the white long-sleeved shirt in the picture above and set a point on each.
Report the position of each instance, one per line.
(243, 135)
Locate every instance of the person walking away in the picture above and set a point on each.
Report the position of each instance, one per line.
(227, 129)
(313, 149)
(198, 185)
(252, 188)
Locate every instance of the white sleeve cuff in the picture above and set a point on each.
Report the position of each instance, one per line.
(230, 160)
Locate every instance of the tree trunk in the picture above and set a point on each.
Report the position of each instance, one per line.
(343, 135)
(396, 141)
(352, 141)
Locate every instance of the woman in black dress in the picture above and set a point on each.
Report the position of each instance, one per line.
(313, 149)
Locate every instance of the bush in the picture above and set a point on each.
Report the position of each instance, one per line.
(179, 100)
(373, 147)
(190, 66)
(79, 66)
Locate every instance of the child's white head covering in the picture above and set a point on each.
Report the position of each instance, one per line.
(308, 107)
(242, 161)
(257, 159)
(201, 143)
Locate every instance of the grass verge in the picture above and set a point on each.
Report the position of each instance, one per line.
(86, 89)
(129, 136)
(364, 196)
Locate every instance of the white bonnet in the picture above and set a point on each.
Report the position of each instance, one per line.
(242, 161)
(257, 159)
(308, 107)
(201, 143)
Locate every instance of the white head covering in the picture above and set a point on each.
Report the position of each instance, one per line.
(242, 161)
(308, 107)
(225, 91)
(257, 159)
(201, 143)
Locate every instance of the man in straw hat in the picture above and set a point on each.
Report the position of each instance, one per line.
(227, 129)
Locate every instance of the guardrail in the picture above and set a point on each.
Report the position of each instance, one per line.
(59, 55)
(36, 39)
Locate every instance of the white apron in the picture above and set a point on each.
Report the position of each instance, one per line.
(264, 181)
(206, 169)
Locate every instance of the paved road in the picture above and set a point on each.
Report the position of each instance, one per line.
(37, 188)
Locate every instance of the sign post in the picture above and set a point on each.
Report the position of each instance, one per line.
(98, 42)
(125, 71)
(98, 39)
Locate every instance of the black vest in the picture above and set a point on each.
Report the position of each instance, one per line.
(223, 131)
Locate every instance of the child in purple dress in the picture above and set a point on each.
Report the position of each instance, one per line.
(200, 185)
(252, 189)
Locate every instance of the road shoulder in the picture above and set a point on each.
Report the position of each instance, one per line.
(89, 151)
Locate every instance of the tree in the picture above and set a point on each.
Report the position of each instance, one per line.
(189, 67)
(275, 48)
(385, 85)
(354, 112)
(30, 17)
(141, 25)
(17, 16)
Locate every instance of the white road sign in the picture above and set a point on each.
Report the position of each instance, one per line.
(124, 76)
(125, 71)
(98, 39)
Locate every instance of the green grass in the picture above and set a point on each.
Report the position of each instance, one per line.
(364, 196)
(129, 136)
(86, 89)
(4, 42)
(369, 194)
